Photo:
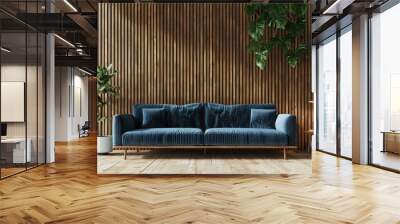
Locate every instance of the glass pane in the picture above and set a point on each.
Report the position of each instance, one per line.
(385, 84)
(14, 153)
(327, 96)
(23, 89)
(346, 94)
(32, 96)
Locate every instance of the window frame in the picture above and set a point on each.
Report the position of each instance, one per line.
(337, 36)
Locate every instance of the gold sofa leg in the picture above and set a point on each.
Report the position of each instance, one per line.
(125, 152)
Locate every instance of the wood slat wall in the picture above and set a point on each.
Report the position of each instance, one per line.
(196, 52)
(92, 98)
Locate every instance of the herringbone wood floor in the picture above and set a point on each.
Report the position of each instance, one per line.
(70, 191)
(187, 161)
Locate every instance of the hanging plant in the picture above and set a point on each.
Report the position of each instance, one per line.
(289, 18)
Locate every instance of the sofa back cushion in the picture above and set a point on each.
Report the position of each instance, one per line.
(234, 116)
(188, 115)
(137, 111)
(154, 118)
(263, 118)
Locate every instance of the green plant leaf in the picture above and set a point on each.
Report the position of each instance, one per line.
(251, 9)
(105, 90)
(256, 29)
(293, 61)
(261, 60)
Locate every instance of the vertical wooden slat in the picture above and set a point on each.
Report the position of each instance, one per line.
(196, 52)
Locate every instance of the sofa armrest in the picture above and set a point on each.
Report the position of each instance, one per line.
(287, 123)
(121, 123)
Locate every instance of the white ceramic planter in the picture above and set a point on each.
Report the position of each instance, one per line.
(104, 144)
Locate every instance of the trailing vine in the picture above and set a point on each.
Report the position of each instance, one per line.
(289, 18)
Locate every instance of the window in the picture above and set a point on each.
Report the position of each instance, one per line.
(385, 89)
(334, 106)
(326, 130)
(346, 92)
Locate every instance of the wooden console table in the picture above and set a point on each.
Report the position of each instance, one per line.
(391, 141)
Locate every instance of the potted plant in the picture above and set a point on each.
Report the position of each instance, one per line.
(105, 93)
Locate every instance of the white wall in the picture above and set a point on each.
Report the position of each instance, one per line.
(61, 103)
(14, 73)
(80, 112)
(71, 102)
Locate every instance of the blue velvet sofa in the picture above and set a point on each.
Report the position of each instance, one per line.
(204, 126)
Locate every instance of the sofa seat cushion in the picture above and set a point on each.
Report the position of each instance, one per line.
(164, 136)
(245, 136)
